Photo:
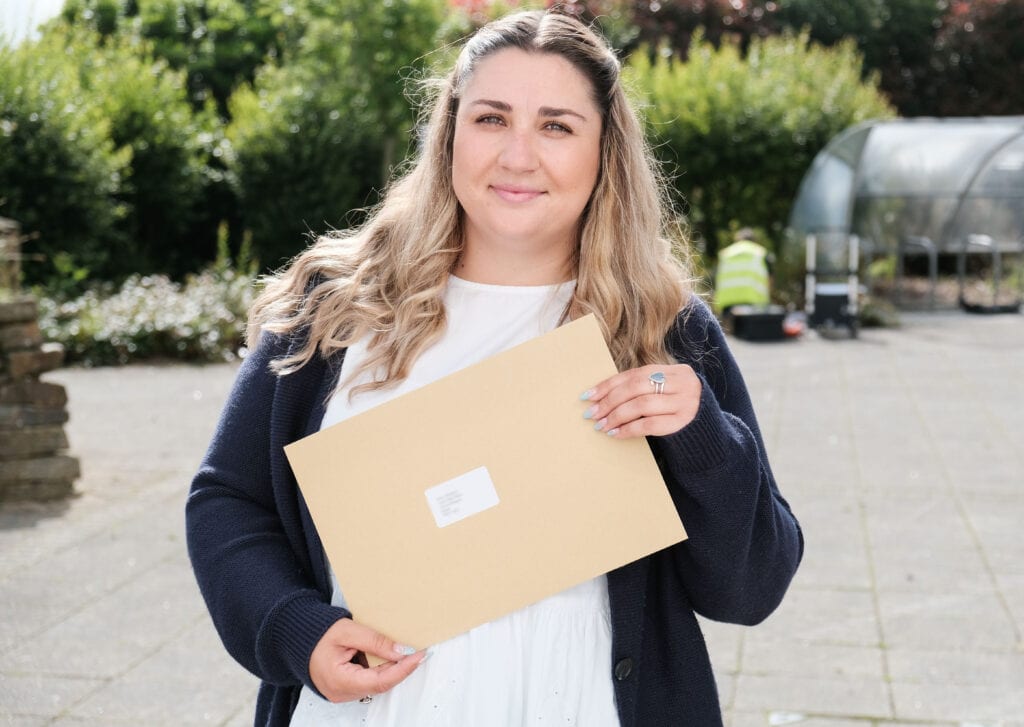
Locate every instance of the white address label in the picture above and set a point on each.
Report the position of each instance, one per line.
(462, 496)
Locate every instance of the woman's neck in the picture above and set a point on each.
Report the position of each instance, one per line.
(498, 267)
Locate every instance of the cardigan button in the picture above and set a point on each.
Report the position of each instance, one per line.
(623, 669)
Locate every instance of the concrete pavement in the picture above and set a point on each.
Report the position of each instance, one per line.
(900, 452)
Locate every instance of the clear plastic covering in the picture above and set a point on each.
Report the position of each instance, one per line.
(994, 203)
(940, 179)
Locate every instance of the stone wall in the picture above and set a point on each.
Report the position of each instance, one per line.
(34, 464)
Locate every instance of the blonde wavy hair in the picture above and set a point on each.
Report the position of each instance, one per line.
(387, 278)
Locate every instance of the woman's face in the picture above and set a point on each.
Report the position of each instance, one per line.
(526, 154)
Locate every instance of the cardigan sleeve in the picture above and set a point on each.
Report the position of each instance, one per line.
(744, 542)
(264, 604)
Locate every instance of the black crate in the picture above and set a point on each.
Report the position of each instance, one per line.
(758, 323)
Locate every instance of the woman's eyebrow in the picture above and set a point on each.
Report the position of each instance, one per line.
(545, 111)
(499, 105)
(548, 111)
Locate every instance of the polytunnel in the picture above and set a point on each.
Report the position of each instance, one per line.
(928, 187)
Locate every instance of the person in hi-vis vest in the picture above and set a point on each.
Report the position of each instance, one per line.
(742, 274)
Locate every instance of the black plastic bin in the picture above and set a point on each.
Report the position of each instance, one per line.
(758, 323)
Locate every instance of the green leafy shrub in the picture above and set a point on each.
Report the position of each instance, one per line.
(315, 137)
(301, 159)
(101, 157)
(147, 317)
(167, 176)
(878, 313)
(740, 131)
(60, 171)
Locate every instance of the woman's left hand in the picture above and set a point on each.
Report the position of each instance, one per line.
(629, 405)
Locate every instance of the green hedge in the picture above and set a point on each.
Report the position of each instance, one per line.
(314, 138)
(168, 176)
(739, 132)
(102, 158)
(60, 171)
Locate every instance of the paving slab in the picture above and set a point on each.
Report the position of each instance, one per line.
(899, 451)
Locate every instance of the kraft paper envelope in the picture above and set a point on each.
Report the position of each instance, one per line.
(483, 492)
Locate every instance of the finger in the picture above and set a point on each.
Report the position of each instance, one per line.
(646, 405)
(381, 678)
(677, 406)
(624, 387)
(600, 390)
(363, 638)
(657, 426)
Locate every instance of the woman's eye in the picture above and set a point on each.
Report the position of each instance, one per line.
(490, 119)
(557, 126)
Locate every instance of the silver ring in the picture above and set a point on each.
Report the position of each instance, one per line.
(657, 380)
(366, 700)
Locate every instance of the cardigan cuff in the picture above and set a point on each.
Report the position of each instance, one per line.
(297, 628)
(701, 445)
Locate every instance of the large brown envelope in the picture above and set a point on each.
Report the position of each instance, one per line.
(483, 492)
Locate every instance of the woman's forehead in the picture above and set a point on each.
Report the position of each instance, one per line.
(527, 81)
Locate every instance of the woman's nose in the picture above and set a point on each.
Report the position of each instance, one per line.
(519, 152)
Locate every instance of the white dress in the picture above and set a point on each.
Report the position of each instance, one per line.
(547, 664)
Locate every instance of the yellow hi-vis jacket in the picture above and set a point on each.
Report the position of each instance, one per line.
(742, 276)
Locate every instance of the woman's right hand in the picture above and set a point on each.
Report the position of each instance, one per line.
(340, 679)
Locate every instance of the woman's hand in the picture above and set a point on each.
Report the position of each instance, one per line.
(629, 405)
(340, 679)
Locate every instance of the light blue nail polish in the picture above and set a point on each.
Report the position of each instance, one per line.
(589, 413)
(600, 425)
(586, 394)
(405, 650)
(612, 432)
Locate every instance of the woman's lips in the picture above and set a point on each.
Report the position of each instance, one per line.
(515, 194)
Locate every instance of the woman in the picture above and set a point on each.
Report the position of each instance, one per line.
(534, 200)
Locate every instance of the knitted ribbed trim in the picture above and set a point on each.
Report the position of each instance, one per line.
(700, 446)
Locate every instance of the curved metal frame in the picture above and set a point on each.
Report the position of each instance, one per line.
(945, 242)
(997, 263)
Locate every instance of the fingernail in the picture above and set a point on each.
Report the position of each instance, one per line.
(430, 653)
(612, 432)
(587, 394)
(404, 650)
(589, 413)
(600, 425)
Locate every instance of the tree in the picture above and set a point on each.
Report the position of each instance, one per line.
(671, 24)
(937, 58)
(894, 36)
(933, 57)
(978, 60)
(628, 24)
(219, 44)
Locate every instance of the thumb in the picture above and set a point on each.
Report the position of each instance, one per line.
(365, 639)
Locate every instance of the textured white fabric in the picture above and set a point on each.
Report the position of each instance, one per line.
(547, 664)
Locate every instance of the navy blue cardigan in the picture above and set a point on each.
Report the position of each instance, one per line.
(260, 564)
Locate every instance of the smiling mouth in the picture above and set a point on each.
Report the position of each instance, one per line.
(516, 194)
